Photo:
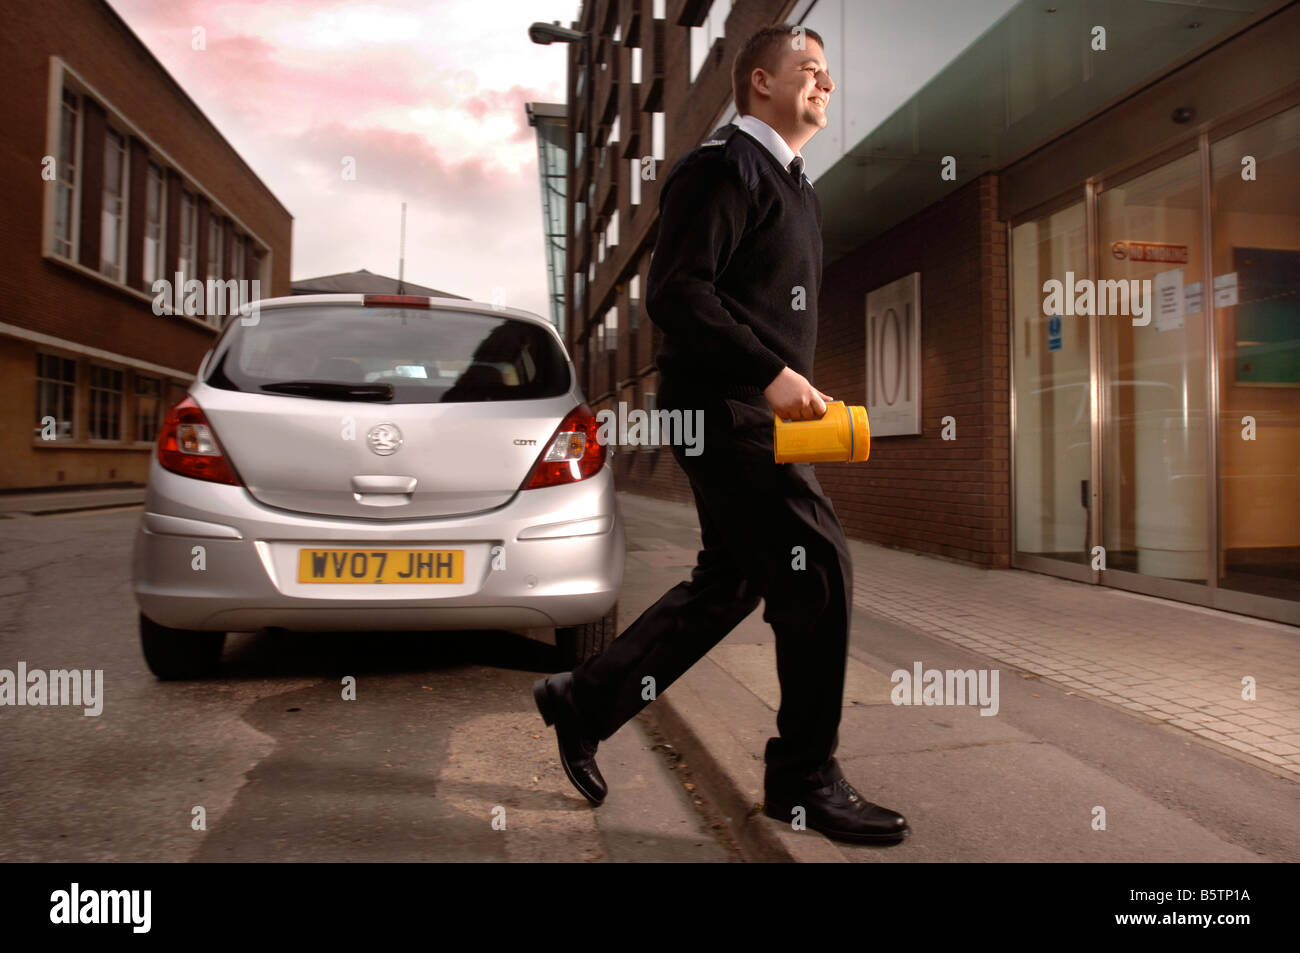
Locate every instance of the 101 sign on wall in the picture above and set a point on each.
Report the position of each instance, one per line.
(894, 357)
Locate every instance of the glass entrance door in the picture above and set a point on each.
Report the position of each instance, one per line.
(1153, 373)
(1053, 403)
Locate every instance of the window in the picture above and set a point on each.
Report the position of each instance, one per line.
(591, 272)
(56, 388)
(112, 220)
(577, 148)
(634, 180)
(633, 302)
(238, 249)
(153, 226)
(577, 292)
(613, 131)
(636, 64)
(659, 9)
(65, 206)
(600, 248)
(708, 32)
(105, 403)
(189, 236)
(611, 329)
(657, 136)
(579, 215)
(215, 250)
(253, 268)
(611, 231)
(148, 403)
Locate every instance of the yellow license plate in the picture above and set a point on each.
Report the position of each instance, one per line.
(381, 565)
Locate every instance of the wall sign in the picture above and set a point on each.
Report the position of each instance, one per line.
(894, 357)
(1149, 251)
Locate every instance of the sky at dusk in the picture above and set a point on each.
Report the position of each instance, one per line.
(427, 96)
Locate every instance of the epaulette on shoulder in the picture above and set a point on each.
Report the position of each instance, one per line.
(718, 137)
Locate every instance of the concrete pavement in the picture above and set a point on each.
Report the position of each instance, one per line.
(1108, 712)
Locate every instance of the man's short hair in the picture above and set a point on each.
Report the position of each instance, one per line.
(764, 50)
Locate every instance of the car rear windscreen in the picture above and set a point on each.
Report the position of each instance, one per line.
(394, 355)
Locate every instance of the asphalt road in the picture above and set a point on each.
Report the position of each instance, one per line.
(440, 757)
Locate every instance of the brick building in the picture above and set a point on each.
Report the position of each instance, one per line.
(112, 178)
(975, 152)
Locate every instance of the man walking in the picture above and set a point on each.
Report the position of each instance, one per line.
(734, 283)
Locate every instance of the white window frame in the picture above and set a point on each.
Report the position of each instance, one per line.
(63, 77)
(107, 215)
(68, 175)
(154, 267)
(189, 237)
(215, 266)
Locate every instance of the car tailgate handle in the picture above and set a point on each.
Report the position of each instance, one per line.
(383, 483)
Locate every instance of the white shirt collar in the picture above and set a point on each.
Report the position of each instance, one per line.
(769, 137)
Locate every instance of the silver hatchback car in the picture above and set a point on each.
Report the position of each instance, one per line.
(378, 462)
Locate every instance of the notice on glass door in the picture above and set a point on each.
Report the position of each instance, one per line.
(1168, 291)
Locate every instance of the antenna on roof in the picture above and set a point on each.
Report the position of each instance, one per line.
(401, 255)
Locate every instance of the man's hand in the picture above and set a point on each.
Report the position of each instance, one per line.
(793, 398)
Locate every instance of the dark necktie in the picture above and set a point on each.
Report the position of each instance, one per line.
(796, 169)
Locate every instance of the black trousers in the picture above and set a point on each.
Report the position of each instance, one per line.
(769, 532)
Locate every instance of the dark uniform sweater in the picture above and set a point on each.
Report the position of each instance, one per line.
(737, 238)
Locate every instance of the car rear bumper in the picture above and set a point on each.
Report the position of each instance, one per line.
(210, 557)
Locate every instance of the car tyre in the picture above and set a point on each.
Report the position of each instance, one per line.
(577, 643)
(179, 653)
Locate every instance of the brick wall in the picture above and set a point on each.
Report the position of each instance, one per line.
(47, 297)
(54, 298)
(943, 497)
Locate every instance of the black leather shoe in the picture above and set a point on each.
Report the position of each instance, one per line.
(554, 697)
(841, 813)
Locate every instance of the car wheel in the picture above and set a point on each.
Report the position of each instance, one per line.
(179, 653)
(577, 643)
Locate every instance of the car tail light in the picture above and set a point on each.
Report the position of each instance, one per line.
(188, 446)
(398, 301)
(572, 454)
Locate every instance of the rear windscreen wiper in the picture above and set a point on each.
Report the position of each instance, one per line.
(332, 390)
